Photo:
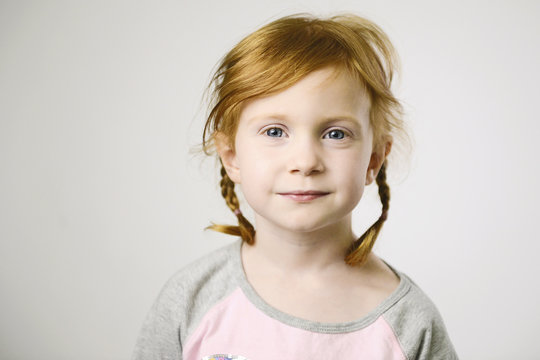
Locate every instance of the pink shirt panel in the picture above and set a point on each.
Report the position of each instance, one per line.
(235, 326)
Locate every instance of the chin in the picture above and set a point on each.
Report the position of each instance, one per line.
(303, 226)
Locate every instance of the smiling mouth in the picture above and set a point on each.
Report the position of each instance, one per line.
(304, 196)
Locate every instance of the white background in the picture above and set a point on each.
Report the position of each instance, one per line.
(101, 201)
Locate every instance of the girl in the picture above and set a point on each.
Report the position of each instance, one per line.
(303, 120)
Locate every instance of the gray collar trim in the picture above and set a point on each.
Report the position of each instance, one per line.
(313, 326)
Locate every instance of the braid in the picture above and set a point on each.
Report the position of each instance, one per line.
(361, 248)
(227, 191)
(244, 229)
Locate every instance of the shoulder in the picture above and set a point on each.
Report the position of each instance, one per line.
(214, 270)
(184, 299)
(198, 286)
(418, 324)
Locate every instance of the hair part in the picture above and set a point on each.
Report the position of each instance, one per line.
(277, 56)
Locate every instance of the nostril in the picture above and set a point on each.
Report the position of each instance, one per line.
(307, 169)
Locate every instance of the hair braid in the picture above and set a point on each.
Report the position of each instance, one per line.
(361, 248)
(227, 191)
(244, 229)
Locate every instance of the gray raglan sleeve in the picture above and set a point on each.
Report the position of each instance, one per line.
(159, 337)
(184, 300)
(419, 328)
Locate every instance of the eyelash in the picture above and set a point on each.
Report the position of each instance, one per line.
(345, 133)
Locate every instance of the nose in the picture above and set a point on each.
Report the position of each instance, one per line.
(305, 157)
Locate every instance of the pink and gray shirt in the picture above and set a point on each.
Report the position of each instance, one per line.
(209, 311)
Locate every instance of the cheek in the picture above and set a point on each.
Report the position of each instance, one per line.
(255, 168)
(352, 174)
(256, 182)
(355, 185)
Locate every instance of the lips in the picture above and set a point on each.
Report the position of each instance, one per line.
(304, 196)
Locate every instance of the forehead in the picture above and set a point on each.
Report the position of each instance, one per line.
(324, 93)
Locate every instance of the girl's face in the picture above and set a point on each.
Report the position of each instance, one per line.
(304, 155)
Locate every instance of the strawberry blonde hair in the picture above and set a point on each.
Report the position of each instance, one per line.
(276, 57)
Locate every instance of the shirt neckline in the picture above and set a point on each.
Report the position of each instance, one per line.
(314, 326)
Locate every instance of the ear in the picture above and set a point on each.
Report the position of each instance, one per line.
(379, 154)
(228, 156)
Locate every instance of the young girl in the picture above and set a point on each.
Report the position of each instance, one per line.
(303, 120)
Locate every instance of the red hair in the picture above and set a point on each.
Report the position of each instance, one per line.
(277, 56)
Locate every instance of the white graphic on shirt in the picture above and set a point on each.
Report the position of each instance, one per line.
(224, 357)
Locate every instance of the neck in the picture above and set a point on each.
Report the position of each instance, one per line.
(287, 250)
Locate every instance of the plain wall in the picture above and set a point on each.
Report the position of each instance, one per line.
(101, 201)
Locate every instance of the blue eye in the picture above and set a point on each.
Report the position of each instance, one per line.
(335, 134)
(274, 132)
